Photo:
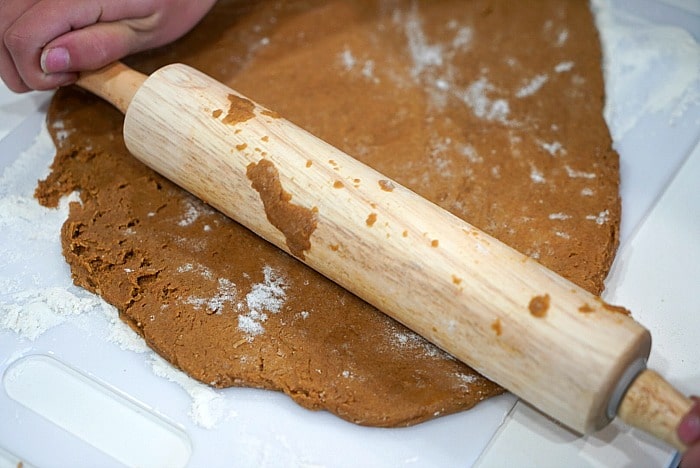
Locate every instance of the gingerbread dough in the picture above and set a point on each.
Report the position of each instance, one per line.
(492, 109)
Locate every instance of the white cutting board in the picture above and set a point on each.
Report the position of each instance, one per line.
(258, 428)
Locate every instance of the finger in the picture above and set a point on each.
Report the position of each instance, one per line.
(11, 10)
(691, 458)
(9, 73)
(89, 48)
(689, 428)
(46, 20)
(99, 44)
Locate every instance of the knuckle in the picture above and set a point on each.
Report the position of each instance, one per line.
(14, 83)
(19, 88)
(15, 39)
(92, 50)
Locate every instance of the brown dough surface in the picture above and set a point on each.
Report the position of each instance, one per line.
(492, 109)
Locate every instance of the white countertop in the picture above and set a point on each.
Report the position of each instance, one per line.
(87, 359)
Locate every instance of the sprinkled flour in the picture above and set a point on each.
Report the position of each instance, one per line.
(268, 296)
(31, 304)
(476, 96)
(190, 215)
(424, 55)
(532, 86)
(36, 291)
(209, 407)
(226, 293)
(410, 340)
(661, 72)
(32, 312)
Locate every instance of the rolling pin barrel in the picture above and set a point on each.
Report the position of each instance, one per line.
(540, 336)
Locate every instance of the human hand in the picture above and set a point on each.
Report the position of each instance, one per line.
(689, 434)
(45, 43)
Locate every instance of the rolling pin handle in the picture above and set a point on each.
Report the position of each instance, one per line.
(635, 368)
(653, 405)
(116, 83)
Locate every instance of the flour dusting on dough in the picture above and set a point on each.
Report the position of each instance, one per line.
(478, 97)
(268, 296)
(410, 340)
(601, 218)
(225, 294)
(532, 86)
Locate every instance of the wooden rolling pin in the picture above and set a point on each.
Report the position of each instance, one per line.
(540, 336)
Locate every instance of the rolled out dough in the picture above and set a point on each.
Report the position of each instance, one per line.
(492, 109)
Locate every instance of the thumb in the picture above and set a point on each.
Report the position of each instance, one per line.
(89, 48)
(689, 428)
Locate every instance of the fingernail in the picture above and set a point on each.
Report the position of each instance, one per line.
(55, 60)
(689, 429)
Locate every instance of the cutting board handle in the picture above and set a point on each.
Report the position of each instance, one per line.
(116, 83)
